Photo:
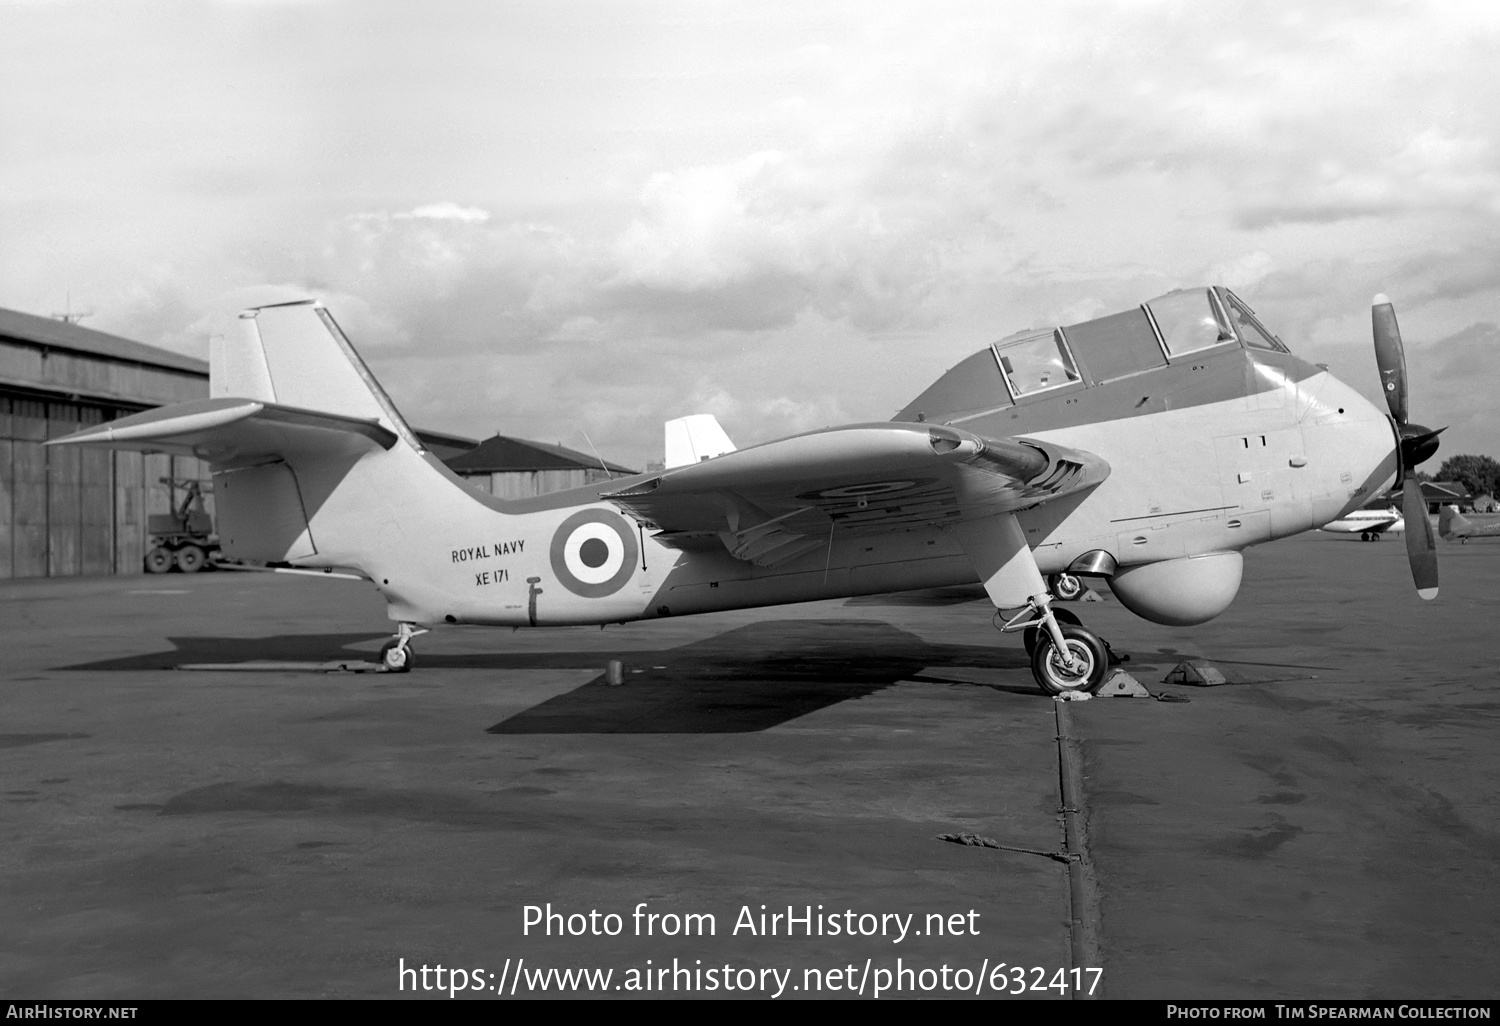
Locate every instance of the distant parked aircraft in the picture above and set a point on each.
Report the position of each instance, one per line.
(1455, 525)
(1370, 523)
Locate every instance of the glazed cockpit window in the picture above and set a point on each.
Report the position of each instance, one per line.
(1036, 364)
(1249, 328)
(1189, 321)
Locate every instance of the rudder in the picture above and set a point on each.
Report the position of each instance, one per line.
(295, 354)
(1450, 521)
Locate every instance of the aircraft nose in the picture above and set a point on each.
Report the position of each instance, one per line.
(1357, 445)
(1418, 444)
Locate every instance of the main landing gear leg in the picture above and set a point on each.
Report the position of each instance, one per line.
(396, 655)
(1065, 655)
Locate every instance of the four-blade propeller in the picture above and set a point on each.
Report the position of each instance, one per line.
(1417, 444)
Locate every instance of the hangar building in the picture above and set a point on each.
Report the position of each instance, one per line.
(513, 468)
(72, 511)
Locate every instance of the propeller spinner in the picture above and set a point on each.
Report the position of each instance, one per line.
(1417, 444)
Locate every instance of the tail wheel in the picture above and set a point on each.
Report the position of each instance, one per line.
(396, 657)
(1064, 617)
(1066, 587)
(158, 561)
(1090, 661)
(190, 559)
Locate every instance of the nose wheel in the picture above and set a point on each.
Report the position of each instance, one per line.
(396, 655)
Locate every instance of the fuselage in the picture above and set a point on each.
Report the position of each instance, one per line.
(1456, 526)
(1215, 442)
(1368, 521)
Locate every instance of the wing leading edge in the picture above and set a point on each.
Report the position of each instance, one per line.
(772, 503)
(235, 432)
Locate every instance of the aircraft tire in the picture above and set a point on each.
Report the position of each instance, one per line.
(1065, 587)
(1064, 617)
(1084, 644)
(395, 659)
(190, 559)
(159, 560)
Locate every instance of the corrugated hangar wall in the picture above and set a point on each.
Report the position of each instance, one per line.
(76, 511)
(71, 511)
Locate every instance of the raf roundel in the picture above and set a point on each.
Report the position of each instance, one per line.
(594, 552)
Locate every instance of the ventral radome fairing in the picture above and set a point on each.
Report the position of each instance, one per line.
(1148, 447)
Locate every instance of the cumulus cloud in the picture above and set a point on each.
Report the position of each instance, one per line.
(1467, 354)
(447, 212)
(1429, 170)
(1244, 271)
(1457, 373)
(796, 219)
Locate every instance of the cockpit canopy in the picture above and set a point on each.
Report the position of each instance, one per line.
(1181, 324)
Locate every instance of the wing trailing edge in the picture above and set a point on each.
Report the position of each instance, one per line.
(773, 503)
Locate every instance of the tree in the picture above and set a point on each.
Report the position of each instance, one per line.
(1479, 474)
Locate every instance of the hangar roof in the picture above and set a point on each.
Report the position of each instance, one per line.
(501, 454)
(28, 329)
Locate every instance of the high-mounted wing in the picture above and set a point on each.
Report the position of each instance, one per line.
(774, 502)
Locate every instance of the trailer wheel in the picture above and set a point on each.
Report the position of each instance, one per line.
(190, 559)
(158, 561)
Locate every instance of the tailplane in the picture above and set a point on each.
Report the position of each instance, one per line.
(306, 448)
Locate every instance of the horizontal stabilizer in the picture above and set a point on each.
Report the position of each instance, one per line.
(236, 432)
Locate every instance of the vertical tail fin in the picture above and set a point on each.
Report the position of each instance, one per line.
(295, 354)
(1450, 521)
(307, 452)
(695, 438)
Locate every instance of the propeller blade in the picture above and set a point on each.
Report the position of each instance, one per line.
(1389, 356)
(1421, 547)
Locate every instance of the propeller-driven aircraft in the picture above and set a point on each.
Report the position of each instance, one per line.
(1148, 448)
(1460, 527)
(1369, 524)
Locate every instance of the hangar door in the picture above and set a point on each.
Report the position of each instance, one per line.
(75, 510)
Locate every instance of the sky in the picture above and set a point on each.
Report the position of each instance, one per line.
(571, 221)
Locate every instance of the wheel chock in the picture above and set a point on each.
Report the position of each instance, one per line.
(1120, 684)
(1090, 595)
(1197, 673)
